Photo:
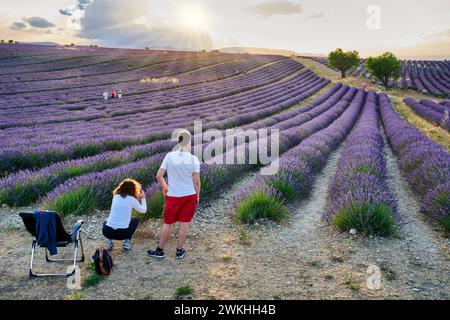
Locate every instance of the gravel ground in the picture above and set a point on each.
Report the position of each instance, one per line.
(302, 258)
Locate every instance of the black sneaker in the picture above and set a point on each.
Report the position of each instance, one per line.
(156, 253)
(180, 253)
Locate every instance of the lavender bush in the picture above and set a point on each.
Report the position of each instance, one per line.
(424, 163)
(358, 196)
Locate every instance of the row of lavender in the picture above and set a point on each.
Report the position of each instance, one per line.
(82, 194)
(437, 113)
(27, 186)
(424, 164)
(359, 197)
(266, 195)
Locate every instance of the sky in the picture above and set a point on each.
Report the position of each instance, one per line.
(409, 28)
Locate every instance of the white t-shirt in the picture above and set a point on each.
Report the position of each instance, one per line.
(180, 166)
(120, 215)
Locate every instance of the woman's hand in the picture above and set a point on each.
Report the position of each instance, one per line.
(142, 195)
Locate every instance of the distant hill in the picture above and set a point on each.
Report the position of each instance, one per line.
(254, 50)
(41, 43)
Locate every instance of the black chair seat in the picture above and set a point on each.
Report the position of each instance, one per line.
(61, 244)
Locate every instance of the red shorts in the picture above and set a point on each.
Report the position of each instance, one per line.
(180, 209)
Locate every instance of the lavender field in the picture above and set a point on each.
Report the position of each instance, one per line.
(346, 154)
(64, 146)
(431, 77)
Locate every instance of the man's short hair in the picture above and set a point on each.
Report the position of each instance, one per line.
(184, 137)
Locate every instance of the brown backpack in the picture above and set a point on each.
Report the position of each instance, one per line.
(102, 261)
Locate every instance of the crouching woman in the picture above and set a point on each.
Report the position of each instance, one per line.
(120, 225)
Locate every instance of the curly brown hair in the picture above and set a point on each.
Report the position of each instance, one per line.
(128, 187)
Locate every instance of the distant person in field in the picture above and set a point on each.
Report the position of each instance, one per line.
(105, 95)
(182, 193)
(364, 86)
(120, 225)
(120, 93)
(113, 94)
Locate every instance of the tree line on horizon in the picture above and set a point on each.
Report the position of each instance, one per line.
(8, 41)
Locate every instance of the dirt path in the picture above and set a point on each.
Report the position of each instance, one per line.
(300, 259)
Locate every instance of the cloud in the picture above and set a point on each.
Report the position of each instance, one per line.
(39, 22)
(33, 24)
(276, 7)
(443, 36)
(65, 12)
(18, 26)
(316, 16)
(115, 24)
(81, 5)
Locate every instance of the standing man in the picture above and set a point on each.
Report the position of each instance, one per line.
(182, 193)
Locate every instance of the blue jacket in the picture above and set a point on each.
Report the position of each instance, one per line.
(46, 230)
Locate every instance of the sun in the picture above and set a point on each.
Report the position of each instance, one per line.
(193, 17)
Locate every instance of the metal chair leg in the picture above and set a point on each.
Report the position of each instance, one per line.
(82, 251)
(33, 247)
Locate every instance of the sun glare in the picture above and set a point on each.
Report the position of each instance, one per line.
(193, 17)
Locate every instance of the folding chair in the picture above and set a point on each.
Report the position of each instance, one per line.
(63, 239)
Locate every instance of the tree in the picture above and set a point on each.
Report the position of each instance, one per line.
(385, 67)
(343, 61)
